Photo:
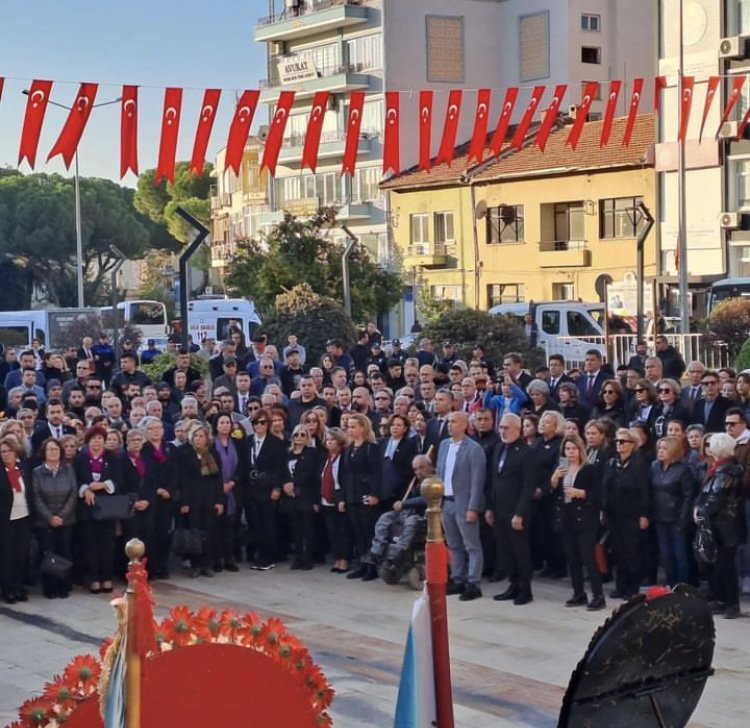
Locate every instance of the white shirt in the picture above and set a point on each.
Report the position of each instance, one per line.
(20, 507)
(257, 445)
(450, 463)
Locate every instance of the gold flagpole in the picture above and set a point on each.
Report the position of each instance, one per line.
(135, 549)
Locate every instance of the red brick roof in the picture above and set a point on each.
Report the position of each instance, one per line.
(557, 157)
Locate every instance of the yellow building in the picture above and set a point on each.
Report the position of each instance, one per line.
(529, 225)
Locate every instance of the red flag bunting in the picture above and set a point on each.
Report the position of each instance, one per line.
(582, 111)
(392, 143)
(481, 120)
(450, 128)
(686, 104)
(129, 131)
(660, 83)
(170, 127)
(353, 125)
(501, 130)
(528, 116)
(36, 106)
(2, 83)
(743, 124)
(276, 132)
(711, 89)
(425, 129)
(314, 130)
(635, 102)
(203, 132)
(734, 96)
(71, 133)
(240, 129)
(550, 116)
(609, 113)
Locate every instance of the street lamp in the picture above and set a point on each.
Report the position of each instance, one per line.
(79, 237)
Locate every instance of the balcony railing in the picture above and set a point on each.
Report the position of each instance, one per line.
(305, 7)
(564, 254)
(550, 246)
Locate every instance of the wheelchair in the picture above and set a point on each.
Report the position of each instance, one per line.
(396, 563)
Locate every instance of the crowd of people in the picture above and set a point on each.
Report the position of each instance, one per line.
(590, 473)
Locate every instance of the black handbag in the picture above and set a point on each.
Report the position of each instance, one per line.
(112, 508)
(56, 566)
(188, 541)
(704, 544)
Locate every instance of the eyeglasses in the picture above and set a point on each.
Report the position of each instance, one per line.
(299, 434)
(665, 390)
(253, 408)
(623, 442)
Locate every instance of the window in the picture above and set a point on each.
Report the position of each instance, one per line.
(505, 224)
(569, 222)
(579, 325)
(551, 322)
(327, 188)
(365, 53)
(591, 54)
(420, 233)
(563, 291)
(449, 294)
(592, 23)
(366, 184)
(619, 218)
(445, 49)
(498, 293)
(534, 46)
(597, 95)
(444, 228)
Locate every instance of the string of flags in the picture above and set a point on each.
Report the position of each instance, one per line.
(247, 105)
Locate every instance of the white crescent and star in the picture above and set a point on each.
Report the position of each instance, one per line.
(244, 113)
(506, 109)
(207, 112)
(37, 94)
(636, 98)
(82, 103)
(128, 105)
(392, 116)
(452, 111)
(585, 101)
(425, 114)
(613, 97)
(533, 103)
(279, 116)
(481, 110)
(354, 116)
(687, 94)
(170, 114)
(316, 113)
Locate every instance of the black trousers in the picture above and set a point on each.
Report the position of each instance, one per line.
(514, 552)
(303, 532)
(579, 550)
(723, 577)
(626, 543)
(225, 530)
(15, 538)
(164, 514)
(339, 533)
(141, 526)
(58, 541)
(261, 522)
(100, 549)
(363, 519)
(203, 518)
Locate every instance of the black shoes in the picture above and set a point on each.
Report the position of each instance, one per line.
(596, 604)
(358, 573)
(455, 587)
(470, 592)
(510, 593)
(207, 572)
(732, 611)
(577, 600)
(523, 598)
(231, 566)
(371, 573)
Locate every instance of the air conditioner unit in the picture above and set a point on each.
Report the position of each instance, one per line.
(732, 47)
(278, 48)
(730, 220)
(729, 130)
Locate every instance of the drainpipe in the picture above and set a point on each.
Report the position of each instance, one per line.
(477, 264)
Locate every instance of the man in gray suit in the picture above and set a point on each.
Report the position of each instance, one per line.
(461, 465)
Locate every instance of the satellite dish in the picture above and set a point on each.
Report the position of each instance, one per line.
(480, 210)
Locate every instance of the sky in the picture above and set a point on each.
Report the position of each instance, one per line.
(194, 44)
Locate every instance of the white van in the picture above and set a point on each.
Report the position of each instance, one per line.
(569, 328)
(211, 318)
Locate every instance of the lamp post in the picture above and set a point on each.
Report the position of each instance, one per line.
(682, 246)
(76, 179)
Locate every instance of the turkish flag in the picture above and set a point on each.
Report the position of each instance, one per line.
(609, 112)
(711, 89)
(528, 116)
(743, 124)
(425, 129)
(71, 133)
(501, 130)
(353, 125)
(734, 96)
(170, 127)
(450, 128)
(129, 131)
(2, 83)
(203, 132)
(36, 106)
(239, 130)
(276, 132)
(481, 120)
(686, 104)
(392, 142)
(635, 102)
(660, 83)
(314, 130)
(582, 111)
(550, 116)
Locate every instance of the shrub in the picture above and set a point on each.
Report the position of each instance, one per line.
(729, 322)
(159, 364)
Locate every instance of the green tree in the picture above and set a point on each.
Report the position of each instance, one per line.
(37, 233)
(729, 323)
(311, 317)
(300, 251)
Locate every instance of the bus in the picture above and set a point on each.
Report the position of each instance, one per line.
(727, 288)
(148, 316)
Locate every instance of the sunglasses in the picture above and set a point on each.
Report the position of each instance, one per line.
(609, 391)
(730, 423)
(623, 442)
(299, 434)
(665, 390)
(640, 389)
(710, 383)
(260, 422)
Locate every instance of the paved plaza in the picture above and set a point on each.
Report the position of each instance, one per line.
(510, 664)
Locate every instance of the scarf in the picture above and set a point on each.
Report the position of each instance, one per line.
(208, 462)
(228, 458)
(96, 463)
(714, 467)
(14, 476)
(139, 463)
(327, 482)
(160, 454)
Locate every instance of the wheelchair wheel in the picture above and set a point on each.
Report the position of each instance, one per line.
(417, 577)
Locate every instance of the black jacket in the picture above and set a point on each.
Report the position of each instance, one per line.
(581, 514)
(545, 456)
(512, 484)
(626, 488)
(6, 493)
(306, 478)
(715, 420)
(360, 473)
(661, 419)
(268, 472)
(162, 475)
(720, 504)
(84, 476)
(197, 490)
(397, 473)
(672, 493)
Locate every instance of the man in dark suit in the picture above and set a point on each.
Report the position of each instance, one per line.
(557, 375)
(692, 392)
(52, 426)
(711, 410)
(437, 427)
(590, 382)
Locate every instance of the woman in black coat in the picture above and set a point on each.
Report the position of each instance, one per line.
(577, 489)
(16, 504)
(302, 489)
(201, 495)
(136, 481)
(361, 489)
(398, 450)
(668, 407)
(99, 475)
(626, 507)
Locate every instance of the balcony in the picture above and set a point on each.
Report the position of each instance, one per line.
(336, 79)
(564, 254)
(332, 146)
(426, 255)
(310, 17)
